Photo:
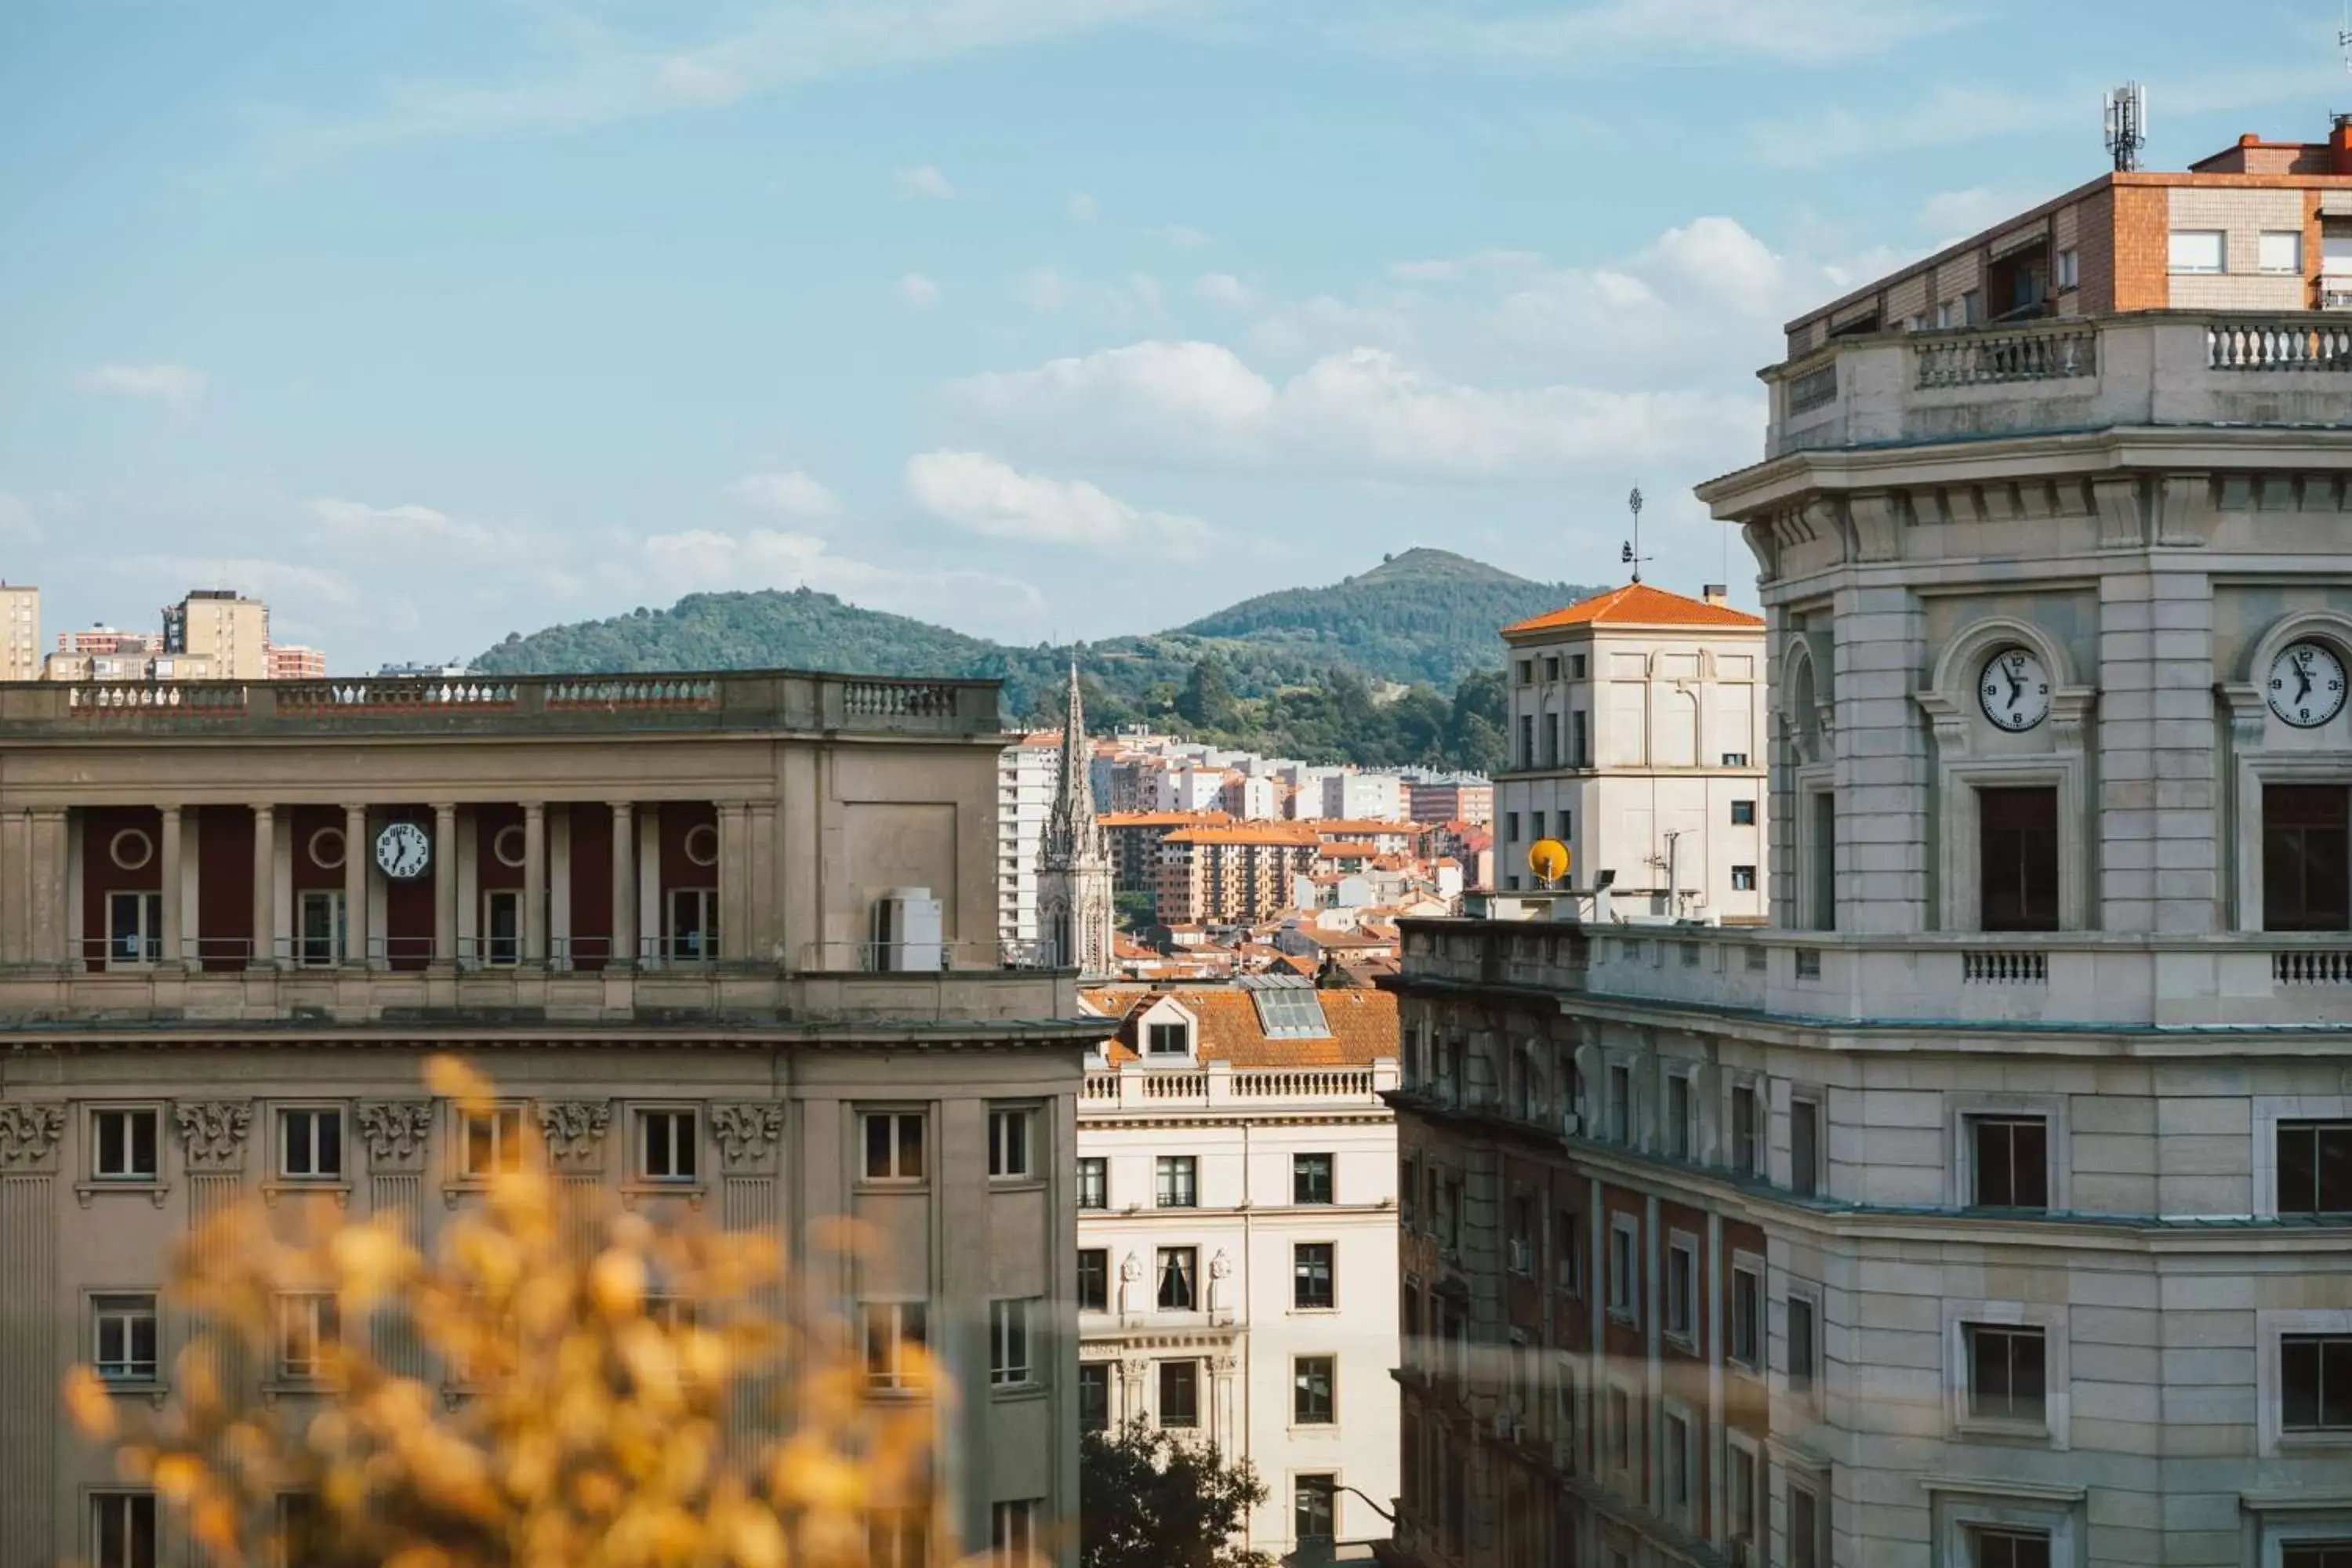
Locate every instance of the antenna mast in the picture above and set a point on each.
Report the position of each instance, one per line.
(1631, 553)
(2126, 118)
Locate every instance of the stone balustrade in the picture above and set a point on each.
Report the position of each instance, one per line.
(1134, 1086)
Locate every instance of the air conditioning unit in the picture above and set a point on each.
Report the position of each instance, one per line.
(907, 928)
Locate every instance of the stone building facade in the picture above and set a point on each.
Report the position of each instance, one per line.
(239, 919)
(1992, 1206)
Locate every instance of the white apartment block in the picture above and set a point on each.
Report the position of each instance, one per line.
(1635, 725)
(1186, 788)
(1237, 1239)
(20, 632)
(1365, 797)
(1025, 776)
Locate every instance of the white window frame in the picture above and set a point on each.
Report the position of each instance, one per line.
(125, 1308)
(286, 1120)
(2069, 270)
(2056, 1423)
(148, 936)
(1013, 1532)
(312, 1314)
(127, 1496)
(1168, 1166)
(2270, 1387)
(2194, 266)
(1963, 1110)
(899, 1116)
(891, 1375)
(684, 1124)
(498, 1117)
(1759, 1094)
(1012, 1342)
(1682, 1243)
(1961, 1508)
(2293, 267)
(126, 1178)
(2269, 1111)
(1191, 1274)
(1624, 1121)
(1100, 1167)
(1295, 1421)
(332, 901)
(1620, 1455)
(1010, 1125)
(1623, 1287)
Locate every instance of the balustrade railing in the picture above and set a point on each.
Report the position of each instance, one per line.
(639, 693)
(1814, 389)
(2004, 967)
(898, 699)
(1980, 357)
(2279, 345)
(2312, 966)
(1302, 1083)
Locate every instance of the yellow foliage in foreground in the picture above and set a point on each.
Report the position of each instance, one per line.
(582, 1413)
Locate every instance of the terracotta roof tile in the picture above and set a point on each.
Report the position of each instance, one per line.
(1639, 604)
(1363, 1026)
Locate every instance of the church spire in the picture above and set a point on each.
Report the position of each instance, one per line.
(1074, 872)
(1074, 800)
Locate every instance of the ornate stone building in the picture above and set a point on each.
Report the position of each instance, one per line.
(1992, 1206)
(1075, 906)
(675, 920)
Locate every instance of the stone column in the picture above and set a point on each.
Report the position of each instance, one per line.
(398, 1134)
(751, 1137)
(624, 883)
(168, 849)
(1226, 1416)
(727, 875)
(213, 1140)
(534, 881)
(445, 882)
(52, 942)
(30, 1372)
(573, 1131)
(263, 953)
(355, 886)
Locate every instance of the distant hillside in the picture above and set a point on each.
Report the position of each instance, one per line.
(1426, 618)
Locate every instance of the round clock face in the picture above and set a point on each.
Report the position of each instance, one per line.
(403, 850)
(2014, 690)
(2306, 685)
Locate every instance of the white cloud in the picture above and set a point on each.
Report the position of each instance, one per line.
(357, 522)
(262, 577)
(706, 560)
(1611, 33)
(176, 384)
(925, 183)
(918, 291)
(788, 493)
(1361, 411)
(1225, 290)
(1082, 207)
(982, 495)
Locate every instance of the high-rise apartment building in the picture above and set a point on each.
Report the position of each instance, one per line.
(1991, 1207)
(292, 661)
(223, 627)
(20, 632)
(729, 941)
(1242, 873)
(1026, 773)
(1237, 1240)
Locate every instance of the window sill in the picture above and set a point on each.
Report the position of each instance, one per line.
(280, 1388)
(1624, 1316)
(2030, 1433)
(890, 1185)
(283, 1187)
(693, 1191)
(1313, 1429)
(1311, 1311)
(2298, 1439)
(1015, 1393)
(1686, 1341)
(1017, 1185)
(154, 1391)
(155, 1191)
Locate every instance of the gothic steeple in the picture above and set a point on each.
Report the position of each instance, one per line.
(1074, 879)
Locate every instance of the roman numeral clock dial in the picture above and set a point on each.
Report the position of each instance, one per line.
(2306, 685)
(2014, 690)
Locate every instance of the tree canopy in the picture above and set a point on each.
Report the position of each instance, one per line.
(1149, 1499)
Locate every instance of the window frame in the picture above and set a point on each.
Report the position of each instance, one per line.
(1750, 1267)
(1621, 1288)
(1682, 1137)
(1326, 1484)
(1675, 1412)
(282, 1119)
(1567, 1232)
(1300, 1406)
(1681, 1243)
(1299, 1276)
(1300, 1173)
(126, 1306)
(1754, 1160)
(1012, 1342)
(1960, 1420)
(1103, 1301)
(1964, 1112)
(1189, 1274)
(131, 1179)
(1807, 1395)
(641, 1119)
(1094, 1182)
(1092, 1371)
(1191, 1366)
(2003, 1342)
(1167, 1194)
(2271, 1329)
(2294, 237)
(1978, 1127)
(497, 1117)
(2193, 268)
(324, 1328)
(1013, 1531)
(1816, 1182)
(1739, 1444)
(2275, 1117)
(101, 1498)
(1009, 1125)
(893, 1174)
(886, 1370)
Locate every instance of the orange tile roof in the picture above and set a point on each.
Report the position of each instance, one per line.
(1363, 1026)
(1639, 604)
(1279, 836)
(1164, 818)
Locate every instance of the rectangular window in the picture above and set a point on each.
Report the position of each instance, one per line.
(1747, 1316)
(1311, 1380)
(2070, 270)
(2017, 843)
(1008, 1344)
(2317, 1554)
(1740, 1483)
(1681, 1137)
(2196, 251)
(1180, 1394)
(1551, 667)
(1179, 1280)
(1013, 1533)
(1743, 813)
(503, 926)
(1168, 1040)
(894, 1145)
(2314, 1167)
(897, 1540)
(1734, 759)
(1624, 1290)
(1311, 1179)
(1094, 1396)
(1510, 827)
(1527, 668)
(1621, 1429)
(301, 1530)
(1526, 741)
(1310, 1276)
(2011, 1158)
(1567, 1253)
(1824, 858)
(694, 924)
(124, 1145)
(1743, 879)
(307, 1327)
(1746, 1132)
(667, 1144)
(1677, 1435)
(2316, 1383)
(493, 1140)
(892, 1329)
(1620, 1103)
(1009, 1153)
(311, 1145)
(1802, 1344)
(2005, 1372)
(1805, 1545)
(1094, 1280)
(1579, 740)
(1094, 1183)
(122, 1529)
(319, 929)
(1176, 1184)
(1519, 1245)
(1314, 1500)
(2280, 250)
(2306, 857)
(135, 927)
(1804, 1147)
(1682, 1291)
(1535, 825)
(122, 1338)
(2009, 1549)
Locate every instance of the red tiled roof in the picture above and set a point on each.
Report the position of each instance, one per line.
(1164, 818)
(1363, 1026)
(1639, 604)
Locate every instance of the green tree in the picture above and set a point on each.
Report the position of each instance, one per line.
(1147, 1498)
(1207, 699)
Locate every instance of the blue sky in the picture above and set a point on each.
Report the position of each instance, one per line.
(1040, 317)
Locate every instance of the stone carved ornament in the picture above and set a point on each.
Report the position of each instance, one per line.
(214, 1131)
(746, 1133)
(396, 1130)
(574, 1129)
(29, 1133)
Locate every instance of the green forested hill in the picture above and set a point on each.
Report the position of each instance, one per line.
(1298, 672)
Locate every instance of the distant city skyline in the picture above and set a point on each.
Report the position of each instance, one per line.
(432, 326)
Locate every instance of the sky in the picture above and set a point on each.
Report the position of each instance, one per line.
(1041, 319)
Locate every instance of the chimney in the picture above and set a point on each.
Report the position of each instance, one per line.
(1716, 594)
(2339, 146)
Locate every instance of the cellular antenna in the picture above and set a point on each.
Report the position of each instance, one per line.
(2127, 117)
(1631, 555)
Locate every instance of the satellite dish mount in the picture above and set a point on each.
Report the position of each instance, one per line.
(2127, 117)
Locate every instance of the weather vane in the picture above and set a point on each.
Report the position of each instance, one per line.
(1632, 555)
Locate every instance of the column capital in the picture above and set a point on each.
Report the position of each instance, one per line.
(534, 808)
(444, 808)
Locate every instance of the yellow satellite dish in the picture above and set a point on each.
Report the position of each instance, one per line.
(1548, 858)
